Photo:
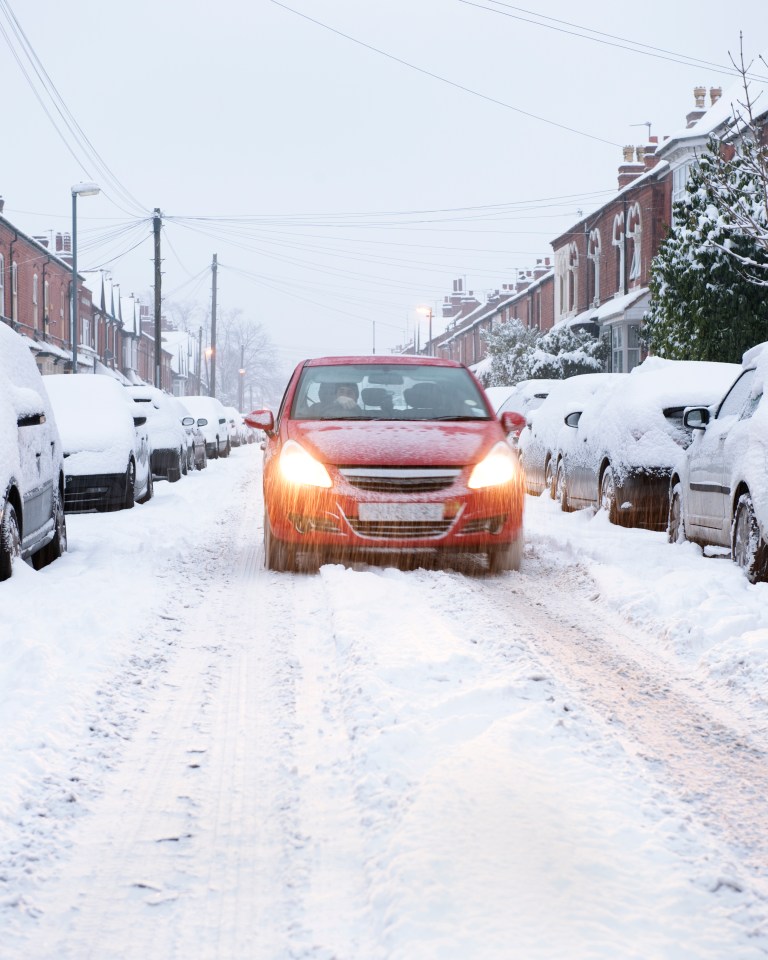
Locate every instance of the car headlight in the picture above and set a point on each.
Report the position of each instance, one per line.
(299, 467)
(499, 466)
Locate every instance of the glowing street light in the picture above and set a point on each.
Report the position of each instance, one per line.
(427, 312)
(78, 190)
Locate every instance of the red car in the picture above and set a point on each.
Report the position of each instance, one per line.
(376, 456)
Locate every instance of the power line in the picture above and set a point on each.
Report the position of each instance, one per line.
(451, 83)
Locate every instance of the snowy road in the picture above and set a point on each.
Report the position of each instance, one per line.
(208, 760)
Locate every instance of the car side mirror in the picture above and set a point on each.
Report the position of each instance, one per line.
(261, 420)
(139, 421)
(202, 422)
(188, 421)
(512, 423)
(572, 420)
(696, 418)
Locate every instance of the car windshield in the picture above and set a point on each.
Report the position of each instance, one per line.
(387, 392)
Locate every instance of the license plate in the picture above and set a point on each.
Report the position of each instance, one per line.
(403, 512)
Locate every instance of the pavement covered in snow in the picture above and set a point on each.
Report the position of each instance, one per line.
(203, 759)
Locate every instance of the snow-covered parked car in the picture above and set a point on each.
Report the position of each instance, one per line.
(197, 458)
(524, 397)
(167, 437)
(106, 443)
(626, 440)
(212, 419)
(32, 522)
(235, 423)
(539, 442)
(719, 490)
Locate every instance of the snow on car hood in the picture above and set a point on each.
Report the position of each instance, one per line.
(396, 443)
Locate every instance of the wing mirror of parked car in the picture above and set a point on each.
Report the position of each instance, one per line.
(696, 418)
(512, 422)
(31, 419)
(202, 422)
(261, 420)
(188, 421)
(139, 421)
(572, 420)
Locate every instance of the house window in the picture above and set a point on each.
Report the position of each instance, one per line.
(46, 303)
(634, 236)
(633, 346)
(593, 258)
(2, 285)
(573, 277)
(618, 242)
(35, 285)
(617, 349)
(680, 177)
(15, 292)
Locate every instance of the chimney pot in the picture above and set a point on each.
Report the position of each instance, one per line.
(714, 94)
(698, 95)
(629, 153)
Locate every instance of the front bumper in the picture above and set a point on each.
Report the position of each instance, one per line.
(642, 499)
(94, 492)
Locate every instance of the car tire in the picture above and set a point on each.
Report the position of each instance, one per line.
(58, 546)
(175, 472)
(506, 557)
(748, 548)
(149, 492)
(10, 541)
(561, 488)
(608, 495)
(278, 555)
(226, 450)
(549, 477)
(130, 486)
(675, 522)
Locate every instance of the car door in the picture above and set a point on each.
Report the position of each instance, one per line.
(36, 456)
(708, 482)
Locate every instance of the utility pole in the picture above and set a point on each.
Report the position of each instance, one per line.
(199, 361)
(156, 223)
(212, 384)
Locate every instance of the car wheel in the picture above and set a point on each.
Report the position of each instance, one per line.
(175, 472)
(506, 557)
(561, 490)
(10, 541)
(608, 495)
(749, 549)
(278, 555)
(53, 550)
(675, 524)
(549, 478)
(225, 451)
(149, 492)
(130, 486)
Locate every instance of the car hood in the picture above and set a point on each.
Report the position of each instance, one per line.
(394, 443)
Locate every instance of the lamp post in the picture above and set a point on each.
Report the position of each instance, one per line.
(427, 312)
(78, 190)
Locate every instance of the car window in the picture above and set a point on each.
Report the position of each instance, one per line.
(387, 392)
(736, 398)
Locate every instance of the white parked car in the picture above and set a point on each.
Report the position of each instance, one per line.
(106, 443)
(539, 442)
(196, 455)
(719, 489)
(167, 437)
(32, 523)
(626, 440)
(212, 419)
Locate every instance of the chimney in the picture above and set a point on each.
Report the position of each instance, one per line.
(714, 95)
(699, 109)
(629, 170)
(42, 240)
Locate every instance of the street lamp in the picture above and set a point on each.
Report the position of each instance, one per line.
(78, 190)
(241, 398)
(427, 312)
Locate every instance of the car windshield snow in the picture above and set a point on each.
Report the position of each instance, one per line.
(387, 392)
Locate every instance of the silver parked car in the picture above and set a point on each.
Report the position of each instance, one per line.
(719, 490)
(32, 523)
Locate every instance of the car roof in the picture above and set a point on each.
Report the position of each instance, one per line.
(390, 360)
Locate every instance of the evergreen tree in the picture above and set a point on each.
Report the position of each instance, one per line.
(706, 303)
(563, 353)
(509, 346)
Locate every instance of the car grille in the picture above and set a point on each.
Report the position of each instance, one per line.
(400, 529)
(400, 479)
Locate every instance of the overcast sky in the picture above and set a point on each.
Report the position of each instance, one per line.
(340, 186)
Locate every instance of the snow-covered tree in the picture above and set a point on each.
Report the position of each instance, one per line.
(510, 345)
(563, 353)
(705, 304)
(519, 353)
